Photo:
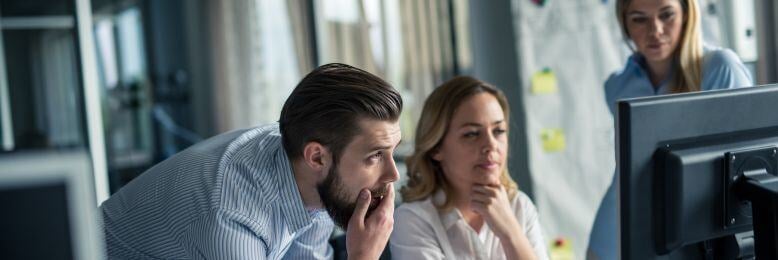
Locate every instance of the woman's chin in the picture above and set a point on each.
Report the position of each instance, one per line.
(656, 55)
(488, 178)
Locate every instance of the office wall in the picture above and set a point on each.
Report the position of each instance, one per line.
(566, 51)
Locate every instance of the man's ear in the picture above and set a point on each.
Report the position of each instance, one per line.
(317, 156)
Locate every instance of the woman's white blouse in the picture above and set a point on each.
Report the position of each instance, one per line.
(421, 231)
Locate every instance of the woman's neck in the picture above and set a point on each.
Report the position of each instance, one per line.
(462, 203)
(475, 221)
(658, 71)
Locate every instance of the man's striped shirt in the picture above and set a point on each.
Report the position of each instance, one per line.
(232, 196)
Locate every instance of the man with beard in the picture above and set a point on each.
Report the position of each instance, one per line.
(269, 192)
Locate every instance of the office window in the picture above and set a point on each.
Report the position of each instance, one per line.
(411, 44)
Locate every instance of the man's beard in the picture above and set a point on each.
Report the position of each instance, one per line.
(334, 196)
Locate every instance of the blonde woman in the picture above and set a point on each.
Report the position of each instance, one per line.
(669, 57)
(460, 201)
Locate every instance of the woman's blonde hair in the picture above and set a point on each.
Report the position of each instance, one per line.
(425, 175)
(688, 72)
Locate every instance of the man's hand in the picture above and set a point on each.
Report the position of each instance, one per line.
(366, 237)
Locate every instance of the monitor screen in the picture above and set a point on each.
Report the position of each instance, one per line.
(681, 161)
(37, 226)
(48, 207)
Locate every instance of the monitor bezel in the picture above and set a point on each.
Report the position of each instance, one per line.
(71, 168)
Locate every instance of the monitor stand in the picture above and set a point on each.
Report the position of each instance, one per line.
(751, 177)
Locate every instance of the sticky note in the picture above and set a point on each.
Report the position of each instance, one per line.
(553, 139)
(544, 82)
(561, 249)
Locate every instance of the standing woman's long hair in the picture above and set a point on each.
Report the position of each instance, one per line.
(687, 76)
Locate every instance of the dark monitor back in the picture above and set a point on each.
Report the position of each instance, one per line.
(671, 166)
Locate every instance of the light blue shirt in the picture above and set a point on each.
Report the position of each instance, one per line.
(722, 69)
(232, 196)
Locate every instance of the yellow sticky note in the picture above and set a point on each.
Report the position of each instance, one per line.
(561, 249)
(544, 82)
(553, 139)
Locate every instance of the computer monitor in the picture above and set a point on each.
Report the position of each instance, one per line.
(698, 175)
(48, 207)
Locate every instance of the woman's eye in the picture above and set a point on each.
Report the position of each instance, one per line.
(639, 19)
(376, 156)
(666, 16)
(471, 134)
(499, 131)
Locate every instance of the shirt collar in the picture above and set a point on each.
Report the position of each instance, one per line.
(294, 209)
(449, 217)
(637, 64)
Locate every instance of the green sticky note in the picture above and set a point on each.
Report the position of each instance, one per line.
(544, 82)
(553, 139)
(561, 249)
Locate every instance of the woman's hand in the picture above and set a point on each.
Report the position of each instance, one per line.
(492, 204)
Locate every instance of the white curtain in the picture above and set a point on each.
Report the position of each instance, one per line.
(406, 42)
(56, 89)
(254, 61)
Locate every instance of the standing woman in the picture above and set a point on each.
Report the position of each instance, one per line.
(669, 57)
(460, 201)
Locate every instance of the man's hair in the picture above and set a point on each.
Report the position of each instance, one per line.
(328, 103)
